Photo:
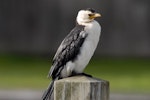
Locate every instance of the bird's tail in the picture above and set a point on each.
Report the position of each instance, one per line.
(49, 93)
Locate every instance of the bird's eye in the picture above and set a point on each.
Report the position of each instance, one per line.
(90, 14)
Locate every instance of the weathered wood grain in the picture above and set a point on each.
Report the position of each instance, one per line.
(81, 88)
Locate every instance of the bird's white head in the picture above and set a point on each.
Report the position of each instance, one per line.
(86, 16)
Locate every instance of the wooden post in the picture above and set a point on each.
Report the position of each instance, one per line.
(81, 88)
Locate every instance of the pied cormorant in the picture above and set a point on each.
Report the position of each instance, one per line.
(76, 49)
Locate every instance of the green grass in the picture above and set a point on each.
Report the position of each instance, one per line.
(29, 72)
(124, 75)
(23, 72)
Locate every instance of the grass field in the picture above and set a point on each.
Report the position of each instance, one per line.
(29, 72)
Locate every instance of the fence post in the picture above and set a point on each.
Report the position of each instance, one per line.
(81, 88)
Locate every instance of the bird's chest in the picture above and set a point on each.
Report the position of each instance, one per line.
(93, 38)
(87, 49)
(90, 44)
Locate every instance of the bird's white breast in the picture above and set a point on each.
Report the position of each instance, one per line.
(89, 46)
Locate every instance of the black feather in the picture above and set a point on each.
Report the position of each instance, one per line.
(48, 94)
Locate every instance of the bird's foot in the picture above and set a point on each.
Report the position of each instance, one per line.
(78, 74)
(88, 75)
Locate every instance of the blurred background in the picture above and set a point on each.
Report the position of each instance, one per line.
(31, 31)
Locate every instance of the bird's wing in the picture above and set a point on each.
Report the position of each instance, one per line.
(68, 50)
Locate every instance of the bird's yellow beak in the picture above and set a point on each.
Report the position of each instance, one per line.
(95, 15)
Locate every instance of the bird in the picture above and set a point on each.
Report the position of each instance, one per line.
(76, 50)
